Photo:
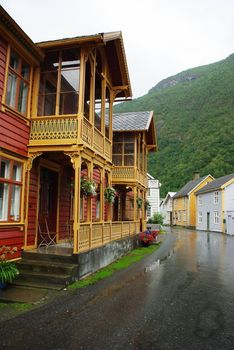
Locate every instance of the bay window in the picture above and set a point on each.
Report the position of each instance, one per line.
(123, 149)
(10, 189)
(17, 83)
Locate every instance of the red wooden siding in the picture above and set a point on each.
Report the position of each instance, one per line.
(12, 237)
(32, 209)
(3, 54)
(65, 223)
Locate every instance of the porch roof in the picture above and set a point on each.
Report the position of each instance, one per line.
(113, 43)
(137, 121)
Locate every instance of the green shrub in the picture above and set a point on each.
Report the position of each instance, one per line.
(157, 218)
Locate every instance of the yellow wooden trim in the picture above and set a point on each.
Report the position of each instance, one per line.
(35, 91)
(227, 183)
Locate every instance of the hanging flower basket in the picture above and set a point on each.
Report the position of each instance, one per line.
(147, 204)
(87, 188)
(139, 202)
(110, 194)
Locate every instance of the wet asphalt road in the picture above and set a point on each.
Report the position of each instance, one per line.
(180, 297)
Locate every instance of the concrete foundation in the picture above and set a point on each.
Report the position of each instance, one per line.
(95, 259)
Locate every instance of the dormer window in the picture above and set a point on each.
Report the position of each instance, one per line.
(59, 83)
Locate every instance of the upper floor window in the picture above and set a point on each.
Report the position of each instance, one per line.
(216, 197)
(148, 192)
(59, 83)
(179, 215)
(199, 200)
(10, 189)
(123, 149)
(17, 83)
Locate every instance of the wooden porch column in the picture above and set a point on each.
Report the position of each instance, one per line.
(90, 204)
(76, 163)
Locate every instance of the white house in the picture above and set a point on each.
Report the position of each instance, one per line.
(166, 208)
(215, 205)
(153, 196)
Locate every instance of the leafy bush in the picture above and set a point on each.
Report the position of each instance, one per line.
(157, 218)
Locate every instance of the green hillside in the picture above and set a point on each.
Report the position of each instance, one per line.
(194, 113)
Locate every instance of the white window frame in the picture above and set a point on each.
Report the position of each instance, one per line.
(185, 216)
(179, 215)
(149, 212)
(216, 197)
(216, 217)
(200, 217)
(199, 200)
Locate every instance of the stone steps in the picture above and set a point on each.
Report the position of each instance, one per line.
(47, 268)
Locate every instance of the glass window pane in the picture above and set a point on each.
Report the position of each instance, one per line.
(15, 203)
(70, 79)
(23, 94)
(117, 137)
(129, 160)
(11, 90)
(14, 60)
(128, 137)
(117, 148)
(5, 169)
(129, 148)
(51, 61)
(117, 160)
(47, 94)
(68, 103)
(17, 171)
(4, 190)
(25, 69)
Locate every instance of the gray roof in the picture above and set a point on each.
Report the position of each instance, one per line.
(131, 121)
(216, 184)
(184, 191)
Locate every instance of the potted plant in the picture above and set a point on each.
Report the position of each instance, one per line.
(147, 204)
(88, 188)
(139, 202)
(8, 270)
(110, 194)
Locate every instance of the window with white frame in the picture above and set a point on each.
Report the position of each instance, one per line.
(185, 216)
(10, 189)
(179, 215)
(200, 217)
(216, 217)
(148, 192)
(148, 212)
(199, 200)
(216, 197)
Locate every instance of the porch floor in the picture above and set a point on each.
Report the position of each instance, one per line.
(61, 249)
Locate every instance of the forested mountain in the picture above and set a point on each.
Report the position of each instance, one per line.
(194, 113)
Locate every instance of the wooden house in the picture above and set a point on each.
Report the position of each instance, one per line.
(184, 201)
(56, 136)
(166, 208)
(215, 205)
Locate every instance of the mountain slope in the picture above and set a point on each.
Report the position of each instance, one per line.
(194, 112)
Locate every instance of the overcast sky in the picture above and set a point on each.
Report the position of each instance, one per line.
(161, 37)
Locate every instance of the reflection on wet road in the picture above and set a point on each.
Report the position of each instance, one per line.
(180, 297)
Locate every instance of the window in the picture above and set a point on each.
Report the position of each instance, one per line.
(216, 217)
(179, 215)
(148, 212)
(59, 83)
(123, 149)
(200, 217)
(10, 189)
(148, 192)
(216, 197)
(199, 200)
(17, 83)
(185, 216)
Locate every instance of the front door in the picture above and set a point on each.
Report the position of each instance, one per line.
(48, 198)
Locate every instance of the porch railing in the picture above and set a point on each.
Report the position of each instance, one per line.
(93, 235)
(129, 173)
(60, 130)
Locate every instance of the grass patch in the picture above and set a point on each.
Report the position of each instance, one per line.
(134, 256)
(21, 306)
